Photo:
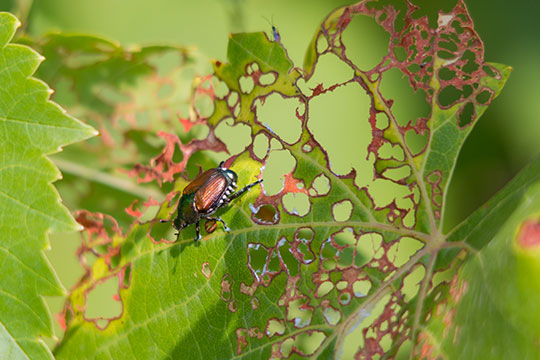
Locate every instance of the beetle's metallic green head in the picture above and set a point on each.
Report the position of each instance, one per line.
(186, 214)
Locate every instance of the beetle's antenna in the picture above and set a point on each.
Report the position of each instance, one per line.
(244, 189)
(163, 220)
(221, 164)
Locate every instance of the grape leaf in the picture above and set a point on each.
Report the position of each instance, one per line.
(32, 127)
(354, 271)
(496, 294)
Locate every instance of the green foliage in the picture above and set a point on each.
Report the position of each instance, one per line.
(497, 291)
(32, 127)
(326, 265)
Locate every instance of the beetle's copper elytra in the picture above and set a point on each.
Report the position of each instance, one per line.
(209, 191)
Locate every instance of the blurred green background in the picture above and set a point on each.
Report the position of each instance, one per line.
(503, 141)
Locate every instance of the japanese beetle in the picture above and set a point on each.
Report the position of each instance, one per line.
(208, 192)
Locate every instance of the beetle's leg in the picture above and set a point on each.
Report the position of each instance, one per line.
(197, 232)
(178, 233)
(243, 190)
(221, 221)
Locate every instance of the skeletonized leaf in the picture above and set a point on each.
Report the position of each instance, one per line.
(351, 271)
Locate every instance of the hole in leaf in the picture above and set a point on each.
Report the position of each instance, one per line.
(279, 162)
(416, 142)
(304, 234)
(400, 54)
(401, 251)
(308, 342)
(331, 315)
(484, 97)
(365, 51)
(236, 137)
(279, 115)
(446, 74)
(385, 192)
(345, 237)
(411, 283)
(445, 55)
(342, 210)
(381, 121)
(257, 255)
(361, 288)
(199, 131)
(286, 347)
(329, 265)
(246, 84)
(397, 174)
(232, 99)
(268, 78)
(291, 263)
(366, 246)
(101, 323)
(340, 112)
(298, 312)
(204, 105)
(449, 95)
(265, 215)
(408, 104)
(320, 185)
(345, 259)
(220, 88)
(471, 66)
(328, 250)
(296, 203)
(274, 327)
(344, 298)
(448, 45)
(261, 146)
(324, 288)
(489, 71)
(322, 44)
(100, 301)
(466, 115)
(341, 284)
(274, 265)
(389, 151)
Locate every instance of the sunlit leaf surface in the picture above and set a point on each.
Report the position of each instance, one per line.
(31, 128)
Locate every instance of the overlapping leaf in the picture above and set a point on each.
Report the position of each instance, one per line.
(288, 283)
(128, 94)
(493, 302)
(31, 127)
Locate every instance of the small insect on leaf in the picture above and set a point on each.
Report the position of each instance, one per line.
(208, 192)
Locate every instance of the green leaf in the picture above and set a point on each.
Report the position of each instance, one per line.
(32, 127)
(327, 264)
(497, 293)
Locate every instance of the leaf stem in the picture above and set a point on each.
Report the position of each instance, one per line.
(420, 302)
